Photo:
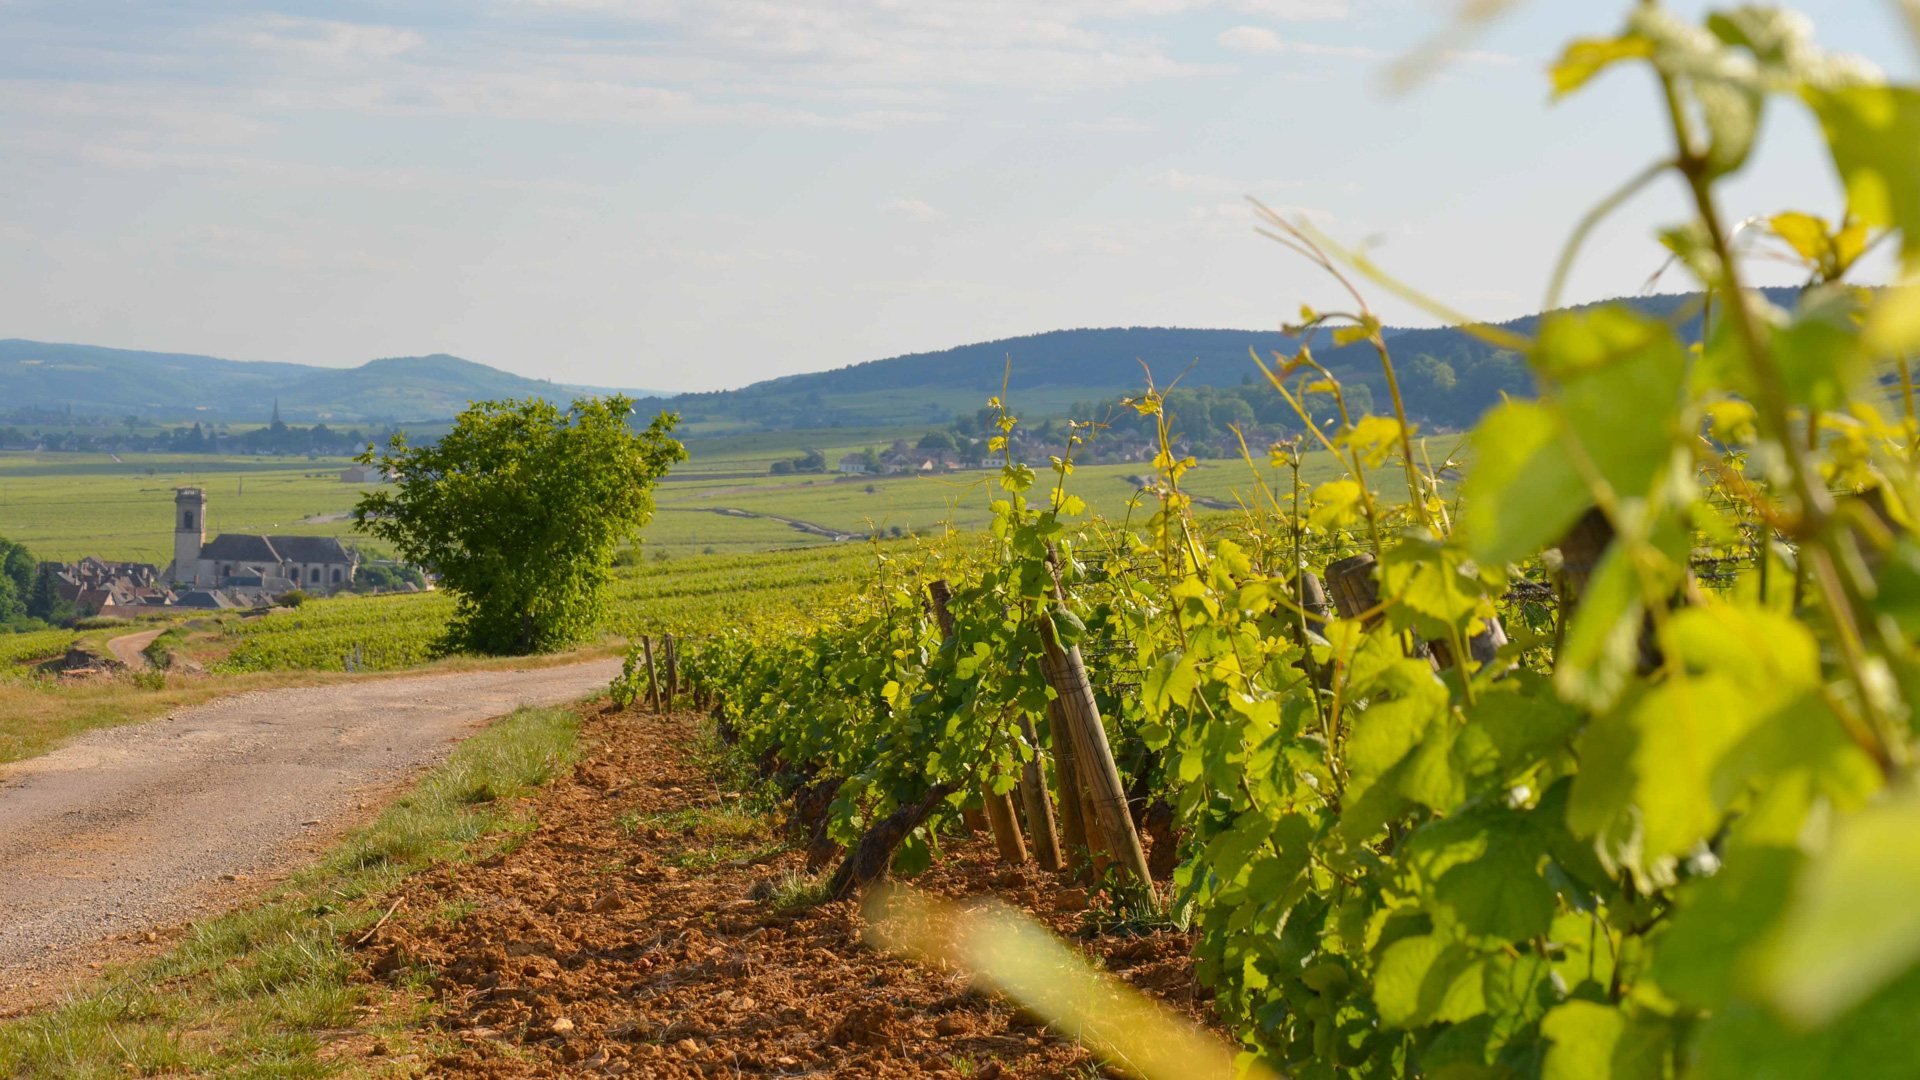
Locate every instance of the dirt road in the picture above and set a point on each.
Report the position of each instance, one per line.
(129, 649)
(149, 825)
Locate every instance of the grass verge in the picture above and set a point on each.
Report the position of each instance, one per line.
(252, 993)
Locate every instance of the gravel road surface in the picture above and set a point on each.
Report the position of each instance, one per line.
(140, 828)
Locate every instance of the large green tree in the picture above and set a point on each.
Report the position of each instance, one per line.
(16, 581)
(518, 512)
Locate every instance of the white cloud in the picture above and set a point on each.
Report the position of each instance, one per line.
(1294, 10)
(911, 209)
(1179, 180)
(1252, 39)
(329, 42)
(1262, 41)
(1110, 123)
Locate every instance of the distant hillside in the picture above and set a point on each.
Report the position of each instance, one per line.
(1051, 372)
(95, 381)
(1448, 377)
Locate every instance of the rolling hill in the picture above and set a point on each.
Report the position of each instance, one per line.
(1448, 377)
(95, 381)
(1049, 373)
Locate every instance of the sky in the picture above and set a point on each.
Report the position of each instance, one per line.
(698, 195)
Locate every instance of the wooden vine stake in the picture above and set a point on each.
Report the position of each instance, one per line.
(1073, 827)
(1355, 592)
(1037, 803)
(653, 677)
(1067, 672)
(1580, 553)
(1001, 816)
(673, 671)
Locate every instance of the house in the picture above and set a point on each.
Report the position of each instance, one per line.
(364, 474)
(274, 564)
(854, 465)
(210, 599)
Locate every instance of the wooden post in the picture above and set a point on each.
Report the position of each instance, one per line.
(1073, 827)
(1580, 553)
(1039, 807)
(1067, 672)
(1312, 598)
(1006, 827)
(653, 677)
(673, 670)
(1350, 580)
(1000, 813)
(1355, 592)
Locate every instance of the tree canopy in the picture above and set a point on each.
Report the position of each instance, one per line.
(518, 512)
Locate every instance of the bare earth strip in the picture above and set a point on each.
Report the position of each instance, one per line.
(136, 828)
(128, 648)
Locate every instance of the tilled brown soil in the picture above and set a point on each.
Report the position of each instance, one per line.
(605, 946)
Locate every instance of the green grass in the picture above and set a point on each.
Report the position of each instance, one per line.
(254, 993)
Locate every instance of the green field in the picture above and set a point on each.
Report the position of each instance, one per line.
(67, 506)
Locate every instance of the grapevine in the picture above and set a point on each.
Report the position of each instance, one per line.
(1599, 763)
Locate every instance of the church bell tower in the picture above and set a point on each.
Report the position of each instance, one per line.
(189, 532)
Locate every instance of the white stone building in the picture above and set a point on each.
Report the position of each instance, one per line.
(318, 564)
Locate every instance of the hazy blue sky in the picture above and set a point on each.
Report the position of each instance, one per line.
(695, 195)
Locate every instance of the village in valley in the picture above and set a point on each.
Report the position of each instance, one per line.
(233, 571)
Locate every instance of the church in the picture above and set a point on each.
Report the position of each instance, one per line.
(317, 564)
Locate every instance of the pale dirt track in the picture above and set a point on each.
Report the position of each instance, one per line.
(143, 827)
(129, 648)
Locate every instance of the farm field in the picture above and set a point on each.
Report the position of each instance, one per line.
(67, 506)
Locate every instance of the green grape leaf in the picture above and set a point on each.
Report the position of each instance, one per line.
(1499, 894)
(1227, 855)
(1428, 775)
(1806, 233)
(1853, 924)
(1704, 949)
(913, 857)
(1875, 1040)
(1427, 578)
(1899, 593)
(1067, 626)
(1756, 646)
(1620, 375)
(1803, 739)
(1384, 734)
(1645, 787)
(1513, 725)
(1169, 682)
(1586, 57)
(1599, 1042)
(1893, 325)
(1523, 491)
(1602, 644)
(1427, 978)
(1873, 133)
(1819, 350)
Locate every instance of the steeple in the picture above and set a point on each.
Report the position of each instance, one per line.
(276, 411)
